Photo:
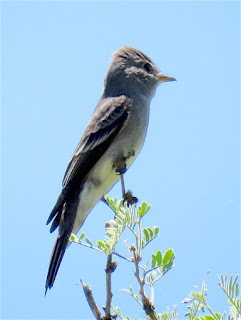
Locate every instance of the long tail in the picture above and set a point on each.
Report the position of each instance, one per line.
(56, 258)
(66, 214)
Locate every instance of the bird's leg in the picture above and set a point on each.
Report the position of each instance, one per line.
(120, 164)
(120, 161)
(122, 186)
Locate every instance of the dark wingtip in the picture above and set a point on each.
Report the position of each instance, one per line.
(51, 216)
(56, 222)
(58, 207)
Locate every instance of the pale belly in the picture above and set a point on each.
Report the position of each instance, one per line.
(100, 181)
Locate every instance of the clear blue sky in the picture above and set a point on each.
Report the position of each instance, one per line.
(54, 59)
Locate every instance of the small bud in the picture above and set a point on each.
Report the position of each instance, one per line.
(113, 265)
(138, 257)
(132, 248)
(107, 224)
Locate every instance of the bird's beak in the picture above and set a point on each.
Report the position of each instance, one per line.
(163, 78)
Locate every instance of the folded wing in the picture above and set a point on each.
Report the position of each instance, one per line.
(103, 127)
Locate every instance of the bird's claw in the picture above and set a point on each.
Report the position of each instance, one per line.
(121, 170)
(130, 199)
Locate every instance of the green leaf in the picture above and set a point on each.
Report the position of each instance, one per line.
(218, 315)
(208, 317)
(131, 290)
(236, 289)
(230, 285)
(153, 261)
(142, 243)
(159, 258)
(136, 297)
(100, 244)
(153, 275)
(155, 231)
(89, 242)
(168, 257)
(150, 232)
(81, 236)
(146, 234)
(143, 209)
(73, 237)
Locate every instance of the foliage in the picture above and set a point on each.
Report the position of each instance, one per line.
(199, 301)
(130, 217)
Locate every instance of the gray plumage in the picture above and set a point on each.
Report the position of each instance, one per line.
(118, 126)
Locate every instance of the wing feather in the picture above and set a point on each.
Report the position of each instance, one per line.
(104, 125)
(107, 121)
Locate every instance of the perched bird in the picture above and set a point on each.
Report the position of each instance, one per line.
(111, 141)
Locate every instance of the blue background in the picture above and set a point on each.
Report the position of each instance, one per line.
(54, 59)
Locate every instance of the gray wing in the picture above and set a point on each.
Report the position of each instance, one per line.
(107, 121)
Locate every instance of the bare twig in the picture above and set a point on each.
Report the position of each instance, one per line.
(161, 274)
(91, 301)
(147, 305)
(108, 287)
(152, 293)
(122, 257)
(87, 245)
(110, 267)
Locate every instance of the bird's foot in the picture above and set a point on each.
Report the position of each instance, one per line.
(130, 199)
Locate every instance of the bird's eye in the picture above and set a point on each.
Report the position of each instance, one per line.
(147, 67)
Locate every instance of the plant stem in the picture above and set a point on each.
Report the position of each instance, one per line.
(147, 305)
(90, 299)
(110, 267)
(108, 286)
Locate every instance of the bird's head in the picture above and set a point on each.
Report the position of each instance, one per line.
(132, 71)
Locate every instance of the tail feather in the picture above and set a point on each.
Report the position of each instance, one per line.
(57, 208)
(65, 220)
(55, 222)
(56, 258)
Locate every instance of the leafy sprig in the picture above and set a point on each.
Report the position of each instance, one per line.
(199, 301)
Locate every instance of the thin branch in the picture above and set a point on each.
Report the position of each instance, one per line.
(104, 200)
(122, 257)
(110, 267)
(140, 237)
(90, 299)
(132, 228)
(149, 241)
(125, 290)
(147, 305)
(152, 293)
(108, 287)
(88, 246)
(161, 273)
(137, 274)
